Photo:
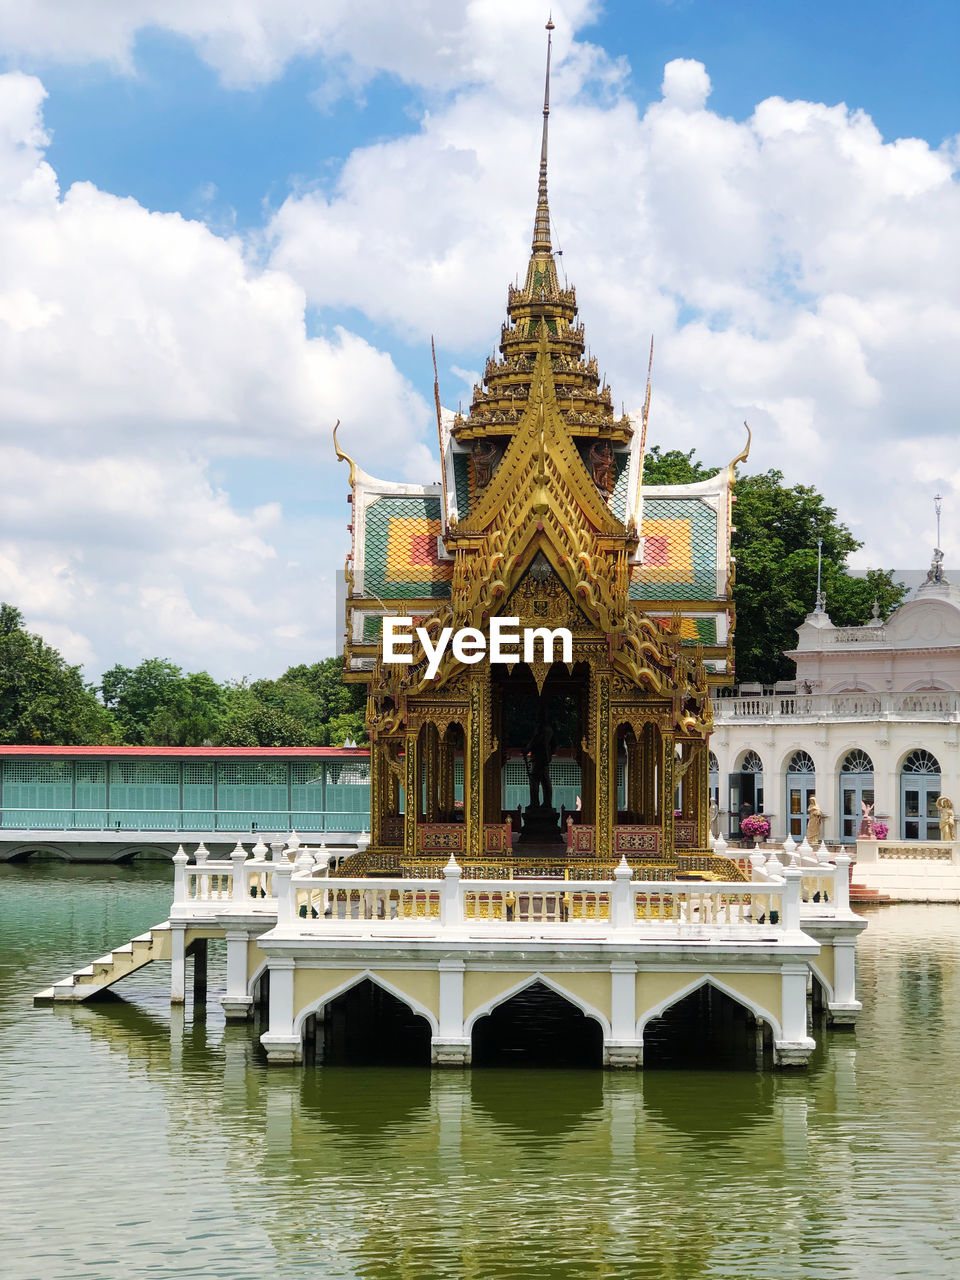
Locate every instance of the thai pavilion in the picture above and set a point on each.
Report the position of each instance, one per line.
(540, 515)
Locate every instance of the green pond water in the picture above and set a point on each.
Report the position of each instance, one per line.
(135, 1143)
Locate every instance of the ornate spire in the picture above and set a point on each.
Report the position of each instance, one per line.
(541, 223)
(541, 306)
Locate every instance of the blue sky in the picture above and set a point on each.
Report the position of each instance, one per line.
(353, 178)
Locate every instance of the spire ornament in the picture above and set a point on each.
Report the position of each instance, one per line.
(541, 222)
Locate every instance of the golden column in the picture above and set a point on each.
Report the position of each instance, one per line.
(411, 792)
(701, 789)
(377, 793)
(473, 769)
(605, 756)
(431, 753)
(667, 766)
(648, 773)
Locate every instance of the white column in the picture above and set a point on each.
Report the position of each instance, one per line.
(623, 1050)
(842, 1010)
(283, 1046)
(791, 898)
(450, 1047)
(794, 1049)
(178, 962)
(235, 1000)
(238, 887)
(283, 891)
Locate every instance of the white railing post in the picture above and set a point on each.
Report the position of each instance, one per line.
(451, 906)
(180, 861)
(284, 893)
(238, 889)
(841, 884)
(278, 851)
(621, 899)
(789, 845)
(791, 899)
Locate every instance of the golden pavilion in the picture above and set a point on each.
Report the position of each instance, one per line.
(540, 515)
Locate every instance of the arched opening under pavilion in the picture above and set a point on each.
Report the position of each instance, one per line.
(537, 1027)
(706, 1029)
(367, 1026)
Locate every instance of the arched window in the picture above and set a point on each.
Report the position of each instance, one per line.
(856, 761)
(856, 794)
(713, 766)
(801, 762)
(745, 791)
(919, 792)
(801, 785)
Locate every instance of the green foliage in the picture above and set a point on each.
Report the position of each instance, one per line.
(775, 546)
(674, 467)
(155, 704)
(43, 700)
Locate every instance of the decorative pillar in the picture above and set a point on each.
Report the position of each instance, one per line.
(473, 769)
(667, 771)
(431, 761)
(648, 772)
(701, 789)
(378, 792)
(411, 793)
(446, 770)
(606, 761)
(634, 785)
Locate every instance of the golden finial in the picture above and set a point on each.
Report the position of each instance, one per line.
(344, 457)
(744, 453)
(541, 223)
(436, 401)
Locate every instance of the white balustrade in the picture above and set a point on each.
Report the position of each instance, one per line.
(927, 705)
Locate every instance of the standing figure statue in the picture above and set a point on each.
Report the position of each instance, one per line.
(537, 756)
(948, 819)
(866, 820)
(814, 821)
(714, 812)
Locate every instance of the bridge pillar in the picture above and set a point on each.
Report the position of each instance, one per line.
(842, 1010)
(199, 952)
(450, 1047)
(622, 1050)
(794, 1049)
(178, 963)
(235, 1000)
(282, 1043)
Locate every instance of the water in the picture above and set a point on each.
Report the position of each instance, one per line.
(133, 1146)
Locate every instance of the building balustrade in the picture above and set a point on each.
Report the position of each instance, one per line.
(928, 705)
(307, 902)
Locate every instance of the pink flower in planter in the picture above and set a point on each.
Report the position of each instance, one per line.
(880, 830)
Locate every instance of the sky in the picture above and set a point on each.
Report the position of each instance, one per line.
(225, 226)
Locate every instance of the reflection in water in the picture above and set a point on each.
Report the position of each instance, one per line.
(168, 1148)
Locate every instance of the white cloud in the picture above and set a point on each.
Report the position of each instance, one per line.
(797, 268)
(137, 351)
(436, 44)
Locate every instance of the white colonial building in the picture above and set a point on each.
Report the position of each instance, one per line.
(873, 716)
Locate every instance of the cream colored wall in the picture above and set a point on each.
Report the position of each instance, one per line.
(824, 962)
(255, 958)
(191, 935)
(480, 987)
(653, 988)
(311, 985)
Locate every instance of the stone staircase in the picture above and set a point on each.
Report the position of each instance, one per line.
(864, 896)
(93, 978)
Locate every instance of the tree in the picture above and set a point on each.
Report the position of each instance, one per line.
(44, 700)
(249, 722)
(674, 467)
(157, 705)
(775, 551)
